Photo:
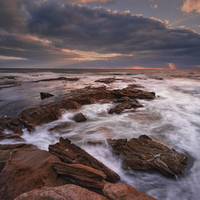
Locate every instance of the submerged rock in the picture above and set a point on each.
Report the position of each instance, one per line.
(133, 93)
(72, 154)
(106, 80)
(58, 79)
(9, 84)
(145, 153)
(94, 142)
(65, 192)
(121, 191)
(28, 169)
(45, 95)
(79, 117)
(62, 127)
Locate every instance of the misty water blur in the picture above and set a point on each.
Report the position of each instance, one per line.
(173, 117)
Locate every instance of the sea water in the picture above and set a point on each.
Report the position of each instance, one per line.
(173, 117)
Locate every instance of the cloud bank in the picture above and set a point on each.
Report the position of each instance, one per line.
(56, 30)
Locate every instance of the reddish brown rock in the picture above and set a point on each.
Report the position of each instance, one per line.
(62, 127)
(106, 80)
(4, 157)
(46, 113)
(82, 174)
(18, 145)
(65, 192)
(79, 117)
(28, 169)
(121, 191)
(12, 137)
(84, 100)
(70, 153)
(94, 142)
(2, 165)
(132, 103)
(10, 124)
(133, 93)
(117, 142)
(144, 153)
(135, 86)
(44, 95)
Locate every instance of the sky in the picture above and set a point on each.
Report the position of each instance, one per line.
(128, 34)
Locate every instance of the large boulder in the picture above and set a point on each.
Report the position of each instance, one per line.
(72, 154)
(145, 153)
(27, 169)
(65, 192)
(82, 174)
(121, 191)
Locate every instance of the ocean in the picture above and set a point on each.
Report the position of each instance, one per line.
(173, 117)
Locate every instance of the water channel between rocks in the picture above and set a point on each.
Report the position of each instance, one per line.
(173, 117)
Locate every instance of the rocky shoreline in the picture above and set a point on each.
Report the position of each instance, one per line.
(68, 172)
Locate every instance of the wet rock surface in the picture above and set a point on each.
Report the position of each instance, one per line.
(82, 174)
(106, 80)
(79, 117)
(121, 191)
(72, 154)
(26, 169)
(145, 153)
(133, 93)
(65, 192)
(10, 124)
(44, 95)
(49, 112)
(18, 145)
(129, 104)
(63, 127)
(9, 84)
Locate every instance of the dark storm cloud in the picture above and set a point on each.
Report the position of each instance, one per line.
(84, 28)
(12, 15)
(40, 30)
(15, 38)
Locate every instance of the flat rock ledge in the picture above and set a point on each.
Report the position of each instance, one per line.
(65, 192)
(145, 153)
(72, 154)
